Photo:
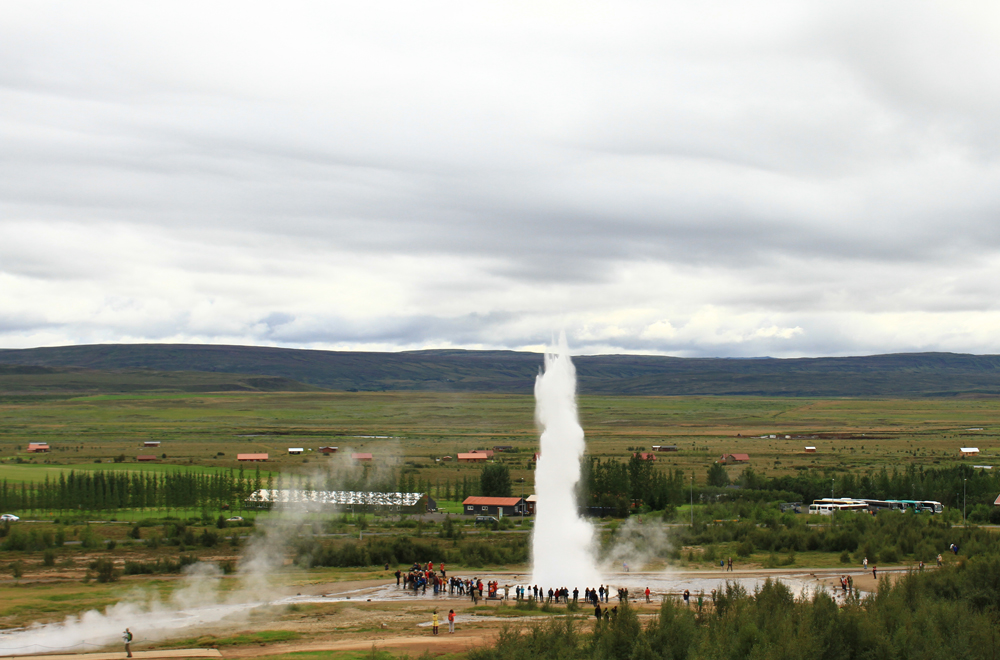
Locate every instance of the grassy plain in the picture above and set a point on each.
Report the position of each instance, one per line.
(411, 430)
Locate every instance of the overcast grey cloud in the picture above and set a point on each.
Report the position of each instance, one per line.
(712, 178)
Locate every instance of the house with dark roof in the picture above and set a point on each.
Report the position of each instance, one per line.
(734, 458)
(492, 506)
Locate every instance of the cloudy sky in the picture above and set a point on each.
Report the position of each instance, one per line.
(686, 178)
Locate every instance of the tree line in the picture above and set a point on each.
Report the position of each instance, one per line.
(617, 487)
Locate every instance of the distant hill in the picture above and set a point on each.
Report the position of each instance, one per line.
(34, 380)
(904, 374)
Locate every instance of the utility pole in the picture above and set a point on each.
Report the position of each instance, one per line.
(523, 503)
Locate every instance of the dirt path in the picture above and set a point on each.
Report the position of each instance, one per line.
(413, 643)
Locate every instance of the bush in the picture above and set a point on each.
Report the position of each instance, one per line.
(744, 548)
(845, 557)
(17, 569)
(49, 558)
(105, 570)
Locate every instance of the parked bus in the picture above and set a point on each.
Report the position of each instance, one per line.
(827, 505)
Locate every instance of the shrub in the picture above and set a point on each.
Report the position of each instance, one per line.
(845, 557)
(17, 569)
(49, 558)
(105, 570)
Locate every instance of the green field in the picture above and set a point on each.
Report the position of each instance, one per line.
(410, 431)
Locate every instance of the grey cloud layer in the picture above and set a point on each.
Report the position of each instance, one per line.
(711, 179)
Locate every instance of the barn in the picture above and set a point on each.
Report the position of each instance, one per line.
(38, 447)
(251, 458)
(472, 457)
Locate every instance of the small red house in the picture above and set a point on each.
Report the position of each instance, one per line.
(328, 450)
(734, 458)
(38, 447)
(145, 458)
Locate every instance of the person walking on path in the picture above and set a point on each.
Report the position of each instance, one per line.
(451, 621)
(127, 638)
(729, 567)
(874, 571)
(434, 622)
(865, 563)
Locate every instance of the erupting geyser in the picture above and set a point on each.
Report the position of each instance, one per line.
(562, 543)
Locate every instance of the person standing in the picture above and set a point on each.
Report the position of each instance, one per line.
(451, 621)
(434, 622)
(398, 575)
(874, 571)
(647, 595)
(127, 638)
(687, 598)
(597, 612)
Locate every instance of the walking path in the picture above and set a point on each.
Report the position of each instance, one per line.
(136, 655)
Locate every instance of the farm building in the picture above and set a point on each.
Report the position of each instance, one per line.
(996, 502)
(151, 443)
(446, 458)
(810, 450)
(472, 458)
(38, 447)
(968, 451)
(295, 451)
(361, 456)
(529, 504)
(329, 450)
(664, 447)
(646, 456)
(734, 458)
(251, 458)
(488, 452)
(343, 500)
(145, 458)
(492, 506)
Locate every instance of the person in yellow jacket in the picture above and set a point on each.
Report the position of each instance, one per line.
(434, 622)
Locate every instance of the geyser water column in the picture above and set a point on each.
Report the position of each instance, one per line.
(562, 544)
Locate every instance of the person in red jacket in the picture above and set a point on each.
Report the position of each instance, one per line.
(451, 621)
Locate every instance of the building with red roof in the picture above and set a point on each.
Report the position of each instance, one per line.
(493, 506)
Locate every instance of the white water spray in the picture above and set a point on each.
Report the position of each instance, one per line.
(562, 543)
